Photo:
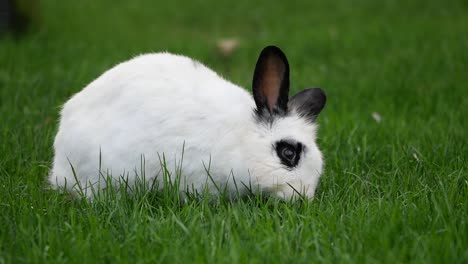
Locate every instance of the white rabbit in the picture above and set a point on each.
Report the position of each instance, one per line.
(169, 104)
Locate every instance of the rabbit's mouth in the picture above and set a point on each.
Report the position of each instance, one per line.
(290, 192)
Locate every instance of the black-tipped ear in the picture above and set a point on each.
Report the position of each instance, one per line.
(309, 102)
(271, 82)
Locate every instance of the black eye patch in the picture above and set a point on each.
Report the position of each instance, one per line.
(289, 152)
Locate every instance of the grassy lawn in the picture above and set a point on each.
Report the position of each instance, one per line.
(393, 191)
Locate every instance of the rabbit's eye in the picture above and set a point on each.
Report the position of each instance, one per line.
(289, 152)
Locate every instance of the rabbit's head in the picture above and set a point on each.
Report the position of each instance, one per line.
(282, 151)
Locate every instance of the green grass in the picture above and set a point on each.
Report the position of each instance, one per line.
(394, 191)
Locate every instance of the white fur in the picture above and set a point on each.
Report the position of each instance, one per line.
(161, 103)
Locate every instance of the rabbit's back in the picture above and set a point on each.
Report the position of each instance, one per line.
(152, 104)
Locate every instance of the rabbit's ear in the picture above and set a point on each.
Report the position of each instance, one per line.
(271, 82)
(308, 103)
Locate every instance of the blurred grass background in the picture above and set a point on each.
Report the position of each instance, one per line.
(393, 191)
